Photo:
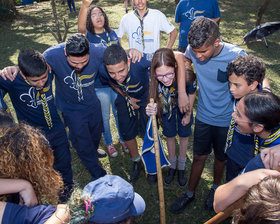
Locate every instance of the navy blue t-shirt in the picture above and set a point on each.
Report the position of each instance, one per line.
(28, 105)
(138, 84)
(66, 91)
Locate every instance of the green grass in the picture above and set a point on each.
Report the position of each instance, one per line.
(30, 30)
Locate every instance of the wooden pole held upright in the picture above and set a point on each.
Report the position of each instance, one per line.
(159, 173)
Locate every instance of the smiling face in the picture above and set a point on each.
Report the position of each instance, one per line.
(243, 123)
(165, 75)
(118, 72)
(140, 4)
(97, 19)
(239, 86)
(78, 63)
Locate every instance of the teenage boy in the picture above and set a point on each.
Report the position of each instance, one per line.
(32, 97)
(246, 74)
(210, 57)
(259, 113)
(143, 27)
(131, 81)
(75, 64)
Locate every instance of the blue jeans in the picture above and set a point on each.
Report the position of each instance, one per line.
(107, 97)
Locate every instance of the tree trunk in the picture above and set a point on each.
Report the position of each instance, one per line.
(261, 11)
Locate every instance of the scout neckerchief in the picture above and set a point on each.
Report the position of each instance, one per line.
(127, 98)
(266, 143)
(46, 110)
(79, 87)
(141, 24)
(167, 104)
(106, 43)
(231, 129)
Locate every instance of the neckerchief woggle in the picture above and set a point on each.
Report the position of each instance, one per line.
(106, 43)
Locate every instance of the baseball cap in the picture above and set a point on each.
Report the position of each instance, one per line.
(113, 198)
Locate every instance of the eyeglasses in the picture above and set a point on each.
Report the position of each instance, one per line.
(168, 75)
(96, 15)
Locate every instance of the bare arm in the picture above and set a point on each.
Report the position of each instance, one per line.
(23, 187)
(82, 20)
(217, 20)
(230, 192)
(120, 41)
(172, 38)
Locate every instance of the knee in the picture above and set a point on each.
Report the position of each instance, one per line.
(199, 159)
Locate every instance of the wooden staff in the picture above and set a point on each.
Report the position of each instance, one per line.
(221, 216)
(159, 173)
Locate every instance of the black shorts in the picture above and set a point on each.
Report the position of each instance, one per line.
(207, 137)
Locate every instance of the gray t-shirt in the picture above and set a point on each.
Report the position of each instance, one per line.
(214, 106)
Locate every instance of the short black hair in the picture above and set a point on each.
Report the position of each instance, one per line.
(263, 107)
(32, 63)
(203, 31)
(114, 54)
(249, 66)
(77, 45)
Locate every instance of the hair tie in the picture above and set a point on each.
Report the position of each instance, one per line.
(88, 204)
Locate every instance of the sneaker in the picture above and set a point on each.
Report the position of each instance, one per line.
(169, 176)
(101, 153)
(112, 150)
(152, 179)
(209, 200)
(124, 147)
(182, 179)
(180, 204)
(135, 172)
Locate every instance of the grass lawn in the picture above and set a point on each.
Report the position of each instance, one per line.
(30, 30)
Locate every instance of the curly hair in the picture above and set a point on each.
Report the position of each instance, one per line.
(89, 24)
(249, 66)
(261, 203)
(25, 154)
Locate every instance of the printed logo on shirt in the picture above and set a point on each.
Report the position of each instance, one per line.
(71, 80)
(32, 98)
(137, 36)
(193, 14)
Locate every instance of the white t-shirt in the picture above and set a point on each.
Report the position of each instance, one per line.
(154, 22)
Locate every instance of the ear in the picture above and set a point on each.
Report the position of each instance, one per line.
(128, 62)
(257, 128)
(217, 42)
(49, 68)
(253, 85)
(65, 52)
(23, 76)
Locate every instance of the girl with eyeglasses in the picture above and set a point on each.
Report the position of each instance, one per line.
(163, 89)
(94, 23)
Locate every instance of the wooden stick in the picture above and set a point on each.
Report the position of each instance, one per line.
(159, 173)
(221, 216)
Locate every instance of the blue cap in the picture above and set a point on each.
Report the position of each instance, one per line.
(113, 198)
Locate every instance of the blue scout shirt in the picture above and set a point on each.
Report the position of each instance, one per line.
(188, 10)
(72, 95)
(28, 104)
(137, 80)
(256, 162)
(104, 39)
